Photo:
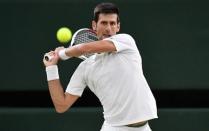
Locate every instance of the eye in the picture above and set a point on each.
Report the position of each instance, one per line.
(104, 23)
(112, 23)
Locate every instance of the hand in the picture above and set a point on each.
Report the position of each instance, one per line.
(58, 49)
(54, 59)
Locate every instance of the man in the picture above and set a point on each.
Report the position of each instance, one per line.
(114, 74)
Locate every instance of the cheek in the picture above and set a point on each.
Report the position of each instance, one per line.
(100, 30)
(114, 29)
(117, 30)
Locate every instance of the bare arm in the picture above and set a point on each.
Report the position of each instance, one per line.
(92, 47)
(62, 101)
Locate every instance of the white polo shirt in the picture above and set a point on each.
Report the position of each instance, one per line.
(117, 80)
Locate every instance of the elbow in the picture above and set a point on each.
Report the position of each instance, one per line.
(61, 109)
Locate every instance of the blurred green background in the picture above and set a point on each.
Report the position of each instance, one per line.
(172, 37)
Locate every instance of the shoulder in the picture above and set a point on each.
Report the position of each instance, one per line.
(123, 42)
(123, 36)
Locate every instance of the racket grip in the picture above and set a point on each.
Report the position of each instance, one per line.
(48, 57)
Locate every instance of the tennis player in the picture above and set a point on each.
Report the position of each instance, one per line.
(114, 74)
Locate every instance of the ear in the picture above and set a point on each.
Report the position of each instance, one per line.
(118, 27)
(94, 25)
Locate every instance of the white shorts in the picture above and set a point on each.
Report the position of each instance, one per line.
(107, 127)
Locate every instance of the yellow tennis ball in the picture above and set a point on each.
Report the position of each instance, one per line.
(64, 35)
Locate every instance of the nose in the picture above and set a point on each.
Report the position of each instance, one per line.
(108, 28)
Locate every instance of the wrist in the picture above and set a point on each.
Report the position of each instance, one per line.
(52, 72)
(62, 54)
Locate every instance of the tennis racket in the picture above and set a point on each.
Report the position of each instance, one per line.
(81, 36)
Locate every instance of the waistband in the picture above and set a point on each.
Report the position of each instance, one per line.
(139, 124)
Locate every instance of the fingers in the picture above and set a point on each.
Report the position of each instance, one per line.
(58, 49)
(51, 53)
(50, 58)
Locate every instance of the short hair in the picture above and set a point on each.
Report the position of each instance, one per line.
(105, 8)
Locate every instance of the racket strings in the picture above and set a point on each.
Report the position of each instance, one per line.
(85, 36)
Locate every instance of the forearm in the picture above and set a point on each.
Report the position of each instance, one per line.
(92, 47)
(61, 100)
(74, 51)
(55, 88)
(56, 93)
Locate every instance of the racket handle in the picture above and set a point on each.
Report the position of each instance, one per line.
(48, 57)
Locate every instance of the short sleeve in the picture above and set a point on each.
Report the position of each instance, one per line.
(123, 42)
(77, 83)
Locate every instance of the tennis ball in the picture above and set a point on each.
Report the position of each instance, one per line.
(64, 35)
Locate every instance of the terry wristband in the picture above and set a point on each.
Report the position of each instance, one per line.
(52, 72)
(62, 54)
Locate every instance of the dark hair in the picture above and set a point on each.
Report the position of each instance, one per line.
(106, 8)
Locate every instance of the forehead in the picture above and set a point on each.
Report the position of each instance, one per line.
(108, 17)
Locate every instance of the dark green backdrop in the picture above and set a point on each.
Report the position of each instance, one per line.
(172, 37)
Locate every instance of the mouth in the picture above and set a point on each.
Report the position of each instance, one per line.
(105, 36)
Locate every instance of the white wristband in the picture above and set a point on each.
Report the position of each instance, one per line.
(62, 54)
(52, 72)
